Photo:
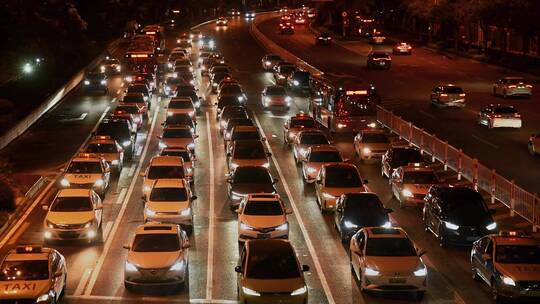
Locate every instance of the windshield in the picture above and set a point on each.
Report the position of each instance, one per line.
(452, 90)
(239, 122)
(355, 105)
(313, 139)
(220, 70)
(272, 265)
(306, 123)
(245, 135)
(179, 119)
(184, 154)
(279, 91)
(24, 270)
(228, 101)
(84, 167)
(464, 203)
(373, 138)
(180, 104)
(156, 243)
(95, 76)
(252, 176)
(71, 204)
(325, 156)
(168, 194)
(342, 177)
(516, 80)
(182, 69)
(390, 247)
(249, 151)
(302, 77)
(379, 55)
(419, 177)
(101, 148)
(263, 208)
(230, 90)
(518, 254)
(115, 130)
(133, 99)
(128, 109)
(287, 69)
(505, 110)
(156, 172)
(137, 89)
(177, 133)
(406, 156)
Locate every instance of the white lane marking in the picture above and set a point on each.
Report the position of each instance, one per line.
(82, 283)
(120, 215)
(132, 171)
(107, 229)
(18, 224)
(485, 141)
(19, 233)
(139, 148)
(427, 114)
(119, 90)
(122, 194)
(305, 233)
(114, 100)
(152, 299)
(210, 257)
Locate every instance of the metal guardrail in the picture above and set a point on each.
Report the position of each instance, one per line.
(518, 200)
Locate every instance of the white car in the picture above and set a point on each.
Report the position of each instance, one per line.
(162, 167)
(371, 143)
(262, 216)
(178, 137)
(499, 116)
(306, 139)
(512, 86)
(170, 201)
(88, 171)
(181, 105)
(385, 260)
(318, 156)
(157, 256)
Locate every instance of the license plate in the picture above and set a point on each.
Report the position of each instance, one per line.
(397, 281)
(263, 236)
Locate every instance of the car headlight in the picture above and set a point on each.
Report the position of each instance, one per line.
(491, 226)
(118, 68)
(366, 150)
(267, 99)
(126, 143)
(406, 193)
(237, 196)
(191, 146)
(130, 267)
(268, 63)
(371, 272)
(266, 165)
(296, 83)
(421, 272)
(146, 189)
(240, 98)
(86, 82)
(162, 145)
(191, 113)
(64, 183)
(328, 195)
(244, 226)
(508, 281)
(175, 75)
(44, 297)
(197, 104)
(299, 291)
(149, 212)
(103, 82)
(234, 165)
(129, 79)
(341, 126)
(372, 125)
(451, 226)
(250, 292)
(282, 227)
(99, 183)
(102, 68)
(115, 162)
(387, 225)
(350, 225)
(302, 151)
(311, 170)
(186, 212)
(178, 266)
(89, 224)
(288, 99)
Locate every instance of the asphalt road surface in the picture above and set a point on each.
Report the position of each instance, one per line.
(95, 272)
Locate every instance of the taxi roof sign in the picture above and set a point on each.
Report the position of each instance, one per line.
(102, 137)
(29, 249)
(357, 92)
(87, 155)
(514, 233)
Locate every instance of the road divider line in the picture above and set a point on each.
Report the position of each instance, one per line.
(108, 242)
(296, 212)
(82, 283)
(210, 257)
(139, 148)
(151, 299)
(122, 194)
(25, 215)
(107, 229)
(485, 141)
(132, 170)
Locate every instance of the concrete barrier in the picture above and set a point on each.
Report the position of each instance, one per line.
(20, 127)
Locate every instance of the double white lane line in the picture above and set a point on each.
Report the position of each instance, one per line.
(211, 217)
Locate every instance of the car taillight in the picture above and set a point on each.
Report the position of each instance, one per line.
(517, 115)
(444, 94)
(497, 116)
(511, 86)
(528, 86)
(462, 95)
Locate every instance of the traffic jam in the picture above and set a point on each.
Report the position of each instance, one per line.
(188, 77)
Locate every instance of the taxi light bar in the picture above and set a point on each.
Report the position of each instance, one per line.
(150, 33)
(104, 136)
(87, 155)
(515, 233)
(29, 249)
(358, 92)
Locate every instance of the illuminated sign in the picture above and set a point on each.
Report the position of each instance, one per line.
(358, 92)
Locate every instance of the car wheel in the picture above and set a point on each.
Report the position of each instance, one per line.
(443, 242)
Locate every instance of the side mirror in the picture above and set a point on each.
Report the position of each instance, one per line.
(195, 136)
(99, 206)
(229, 154)
(108, 169)
(193, 197)
(288, 211)
(305, 268)
(339, 209)
(238, 269)
(126, 246)
(215, 103)
(58, 274)
(45, 207)
(186, 244)
(388, 210)
(62, 170)
(229, 180)
(366, 181)
(143, 198)
(263, 139)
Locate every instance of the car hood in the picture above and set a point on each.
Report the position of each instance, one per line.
(167, 206)
(177, 142)
(81, 178)
(402, 265)
(69, 218)
(263, 221)
(274, 286)
(253, 188)
(24, 289)
(470, 219)
(520, 272)
(370, 218)
(154, 259)
(339, 191)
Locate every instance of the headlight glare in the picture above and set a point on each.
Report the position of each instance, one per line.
(451, 226)
(371, 272)
(421, 272)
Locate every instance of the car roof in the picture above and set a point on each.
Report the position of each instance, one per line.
(180, 99)
(330, 148)
(28, 253)
(166, 161)
(87, 157)
(256, 247)
(311, 132)
(154, 228)
(263, 197)
(245, 129)
(381, 232)
(73, 192)
(169, 183)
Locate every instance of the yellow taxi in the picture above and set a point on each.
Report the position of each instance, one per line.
(262, 216)
(317, 157)
(411, 183)
(74, 214)
(87, 171)
(162, 167)
(107, 148)
(32, 274)
(188, 158)
(295, 124)
(371, 143)
(386, 260)
(337, 179)
(509, 263)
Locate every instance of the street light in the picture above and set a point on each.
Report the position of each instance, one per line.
(28, 68)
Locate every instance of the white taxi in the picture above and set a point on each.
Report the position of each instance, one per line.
(162, 167)
(87, 171)
(107, 148)
(262, 216)
(411, 183)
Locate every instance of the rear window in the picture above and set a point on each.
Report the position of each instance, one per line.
(273, 265)
(452, 90)
(505, 110)
(168, 195)
(276, 91)
(263, 208)
(375, 138)
(180, 104)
